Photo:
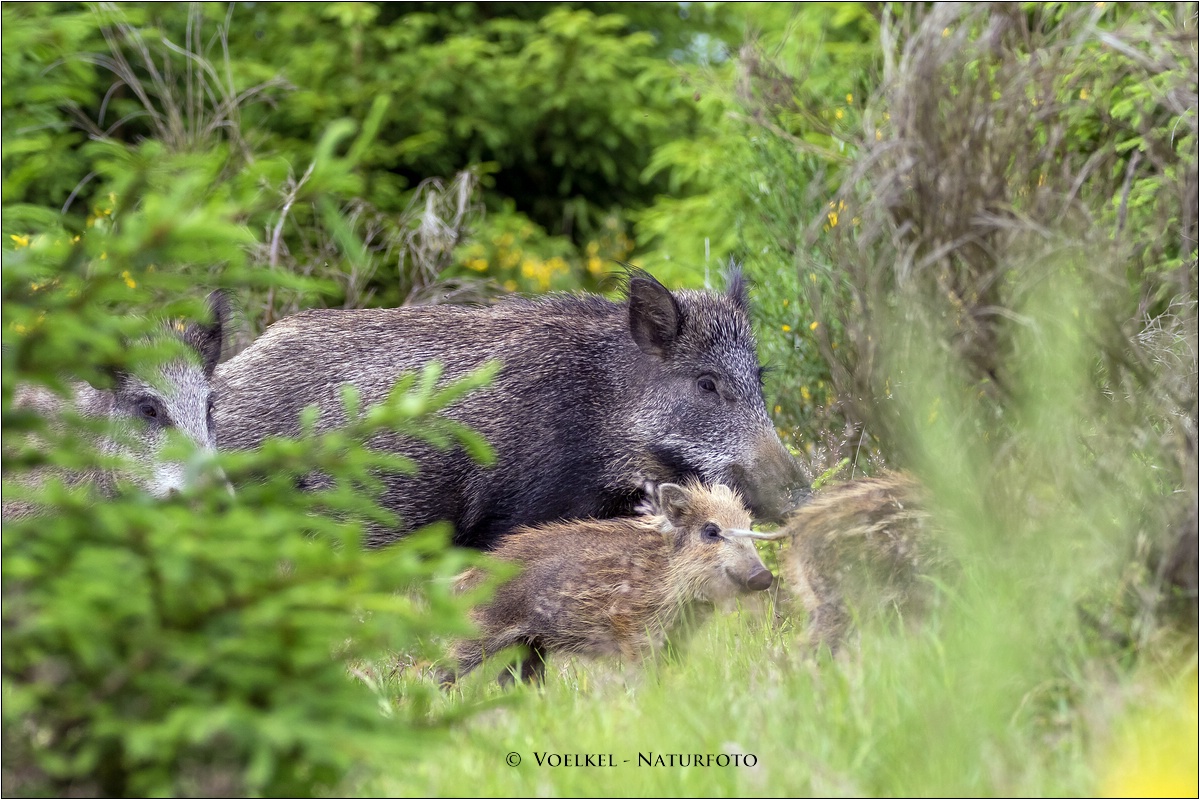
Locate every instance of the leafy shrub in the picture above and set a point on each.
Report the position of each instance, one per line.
(199, 645)
(1007, 159)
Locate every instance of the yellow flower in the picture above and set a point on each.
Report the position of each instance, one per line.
(813, 326)
(805, 394)
(778, 409)
(1084, 94)
(838, 114)
(833, 217)
(19, 241)
(510, 285)
(878, 135)
(1154, 749)
(787, 328)
(129, 281)
(785, 302)
(22, 328)
(945, 32)
(849, 98)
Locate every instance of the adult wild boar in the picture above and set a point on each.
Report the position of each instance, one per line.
(139, 412)
(593, 398)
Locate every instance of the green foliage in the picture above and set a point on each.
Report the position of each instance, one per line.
(216, 662)
(40, 150)
(558, 108)
(998, 165)
(198, 645)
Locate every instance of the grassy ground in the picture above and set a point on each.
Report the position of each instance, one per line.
(935, 711)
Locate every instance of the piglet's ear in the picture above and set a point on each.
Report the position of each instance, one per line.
(672, 502)
(655, 317)
(208, 339)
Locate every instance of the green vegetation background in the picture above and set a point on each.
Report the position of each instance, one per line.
(973, 240)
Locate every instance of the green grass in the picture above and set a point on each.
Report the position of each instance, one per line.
(931, 711)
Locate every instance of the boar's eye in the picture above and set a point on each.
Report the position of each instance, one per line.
(707, 383)
(150, 410)
(711, 532)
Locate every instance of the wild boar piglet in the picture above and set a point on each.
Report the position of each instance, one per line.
(618, 586)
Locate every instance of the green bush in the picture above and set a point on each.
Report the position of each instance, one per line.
(555, 108)
(203, 644)
(1005, 155)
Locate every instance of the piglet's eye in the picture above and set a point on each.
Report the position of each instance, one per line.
(711, 532)
(148, 410)
(706, 383)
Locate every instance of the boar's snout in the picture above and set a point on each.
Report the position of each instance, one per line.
(760, 579)
(774, 486)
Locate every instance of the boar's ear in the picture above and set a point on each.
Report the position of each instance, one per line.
(207, 339)
(672, 502)
(738, 290)
(655, 318)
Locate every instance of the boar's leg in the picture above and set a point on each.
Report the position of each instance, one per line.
(533, 668)
(814, 579)
(467, 656)
(530, 669)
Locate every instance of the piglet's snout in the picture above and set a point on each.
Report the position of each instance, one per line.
(759, 579)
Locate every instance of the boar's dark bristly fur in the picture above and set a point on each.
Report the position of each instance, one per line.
(593, 398)
(620, 587)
